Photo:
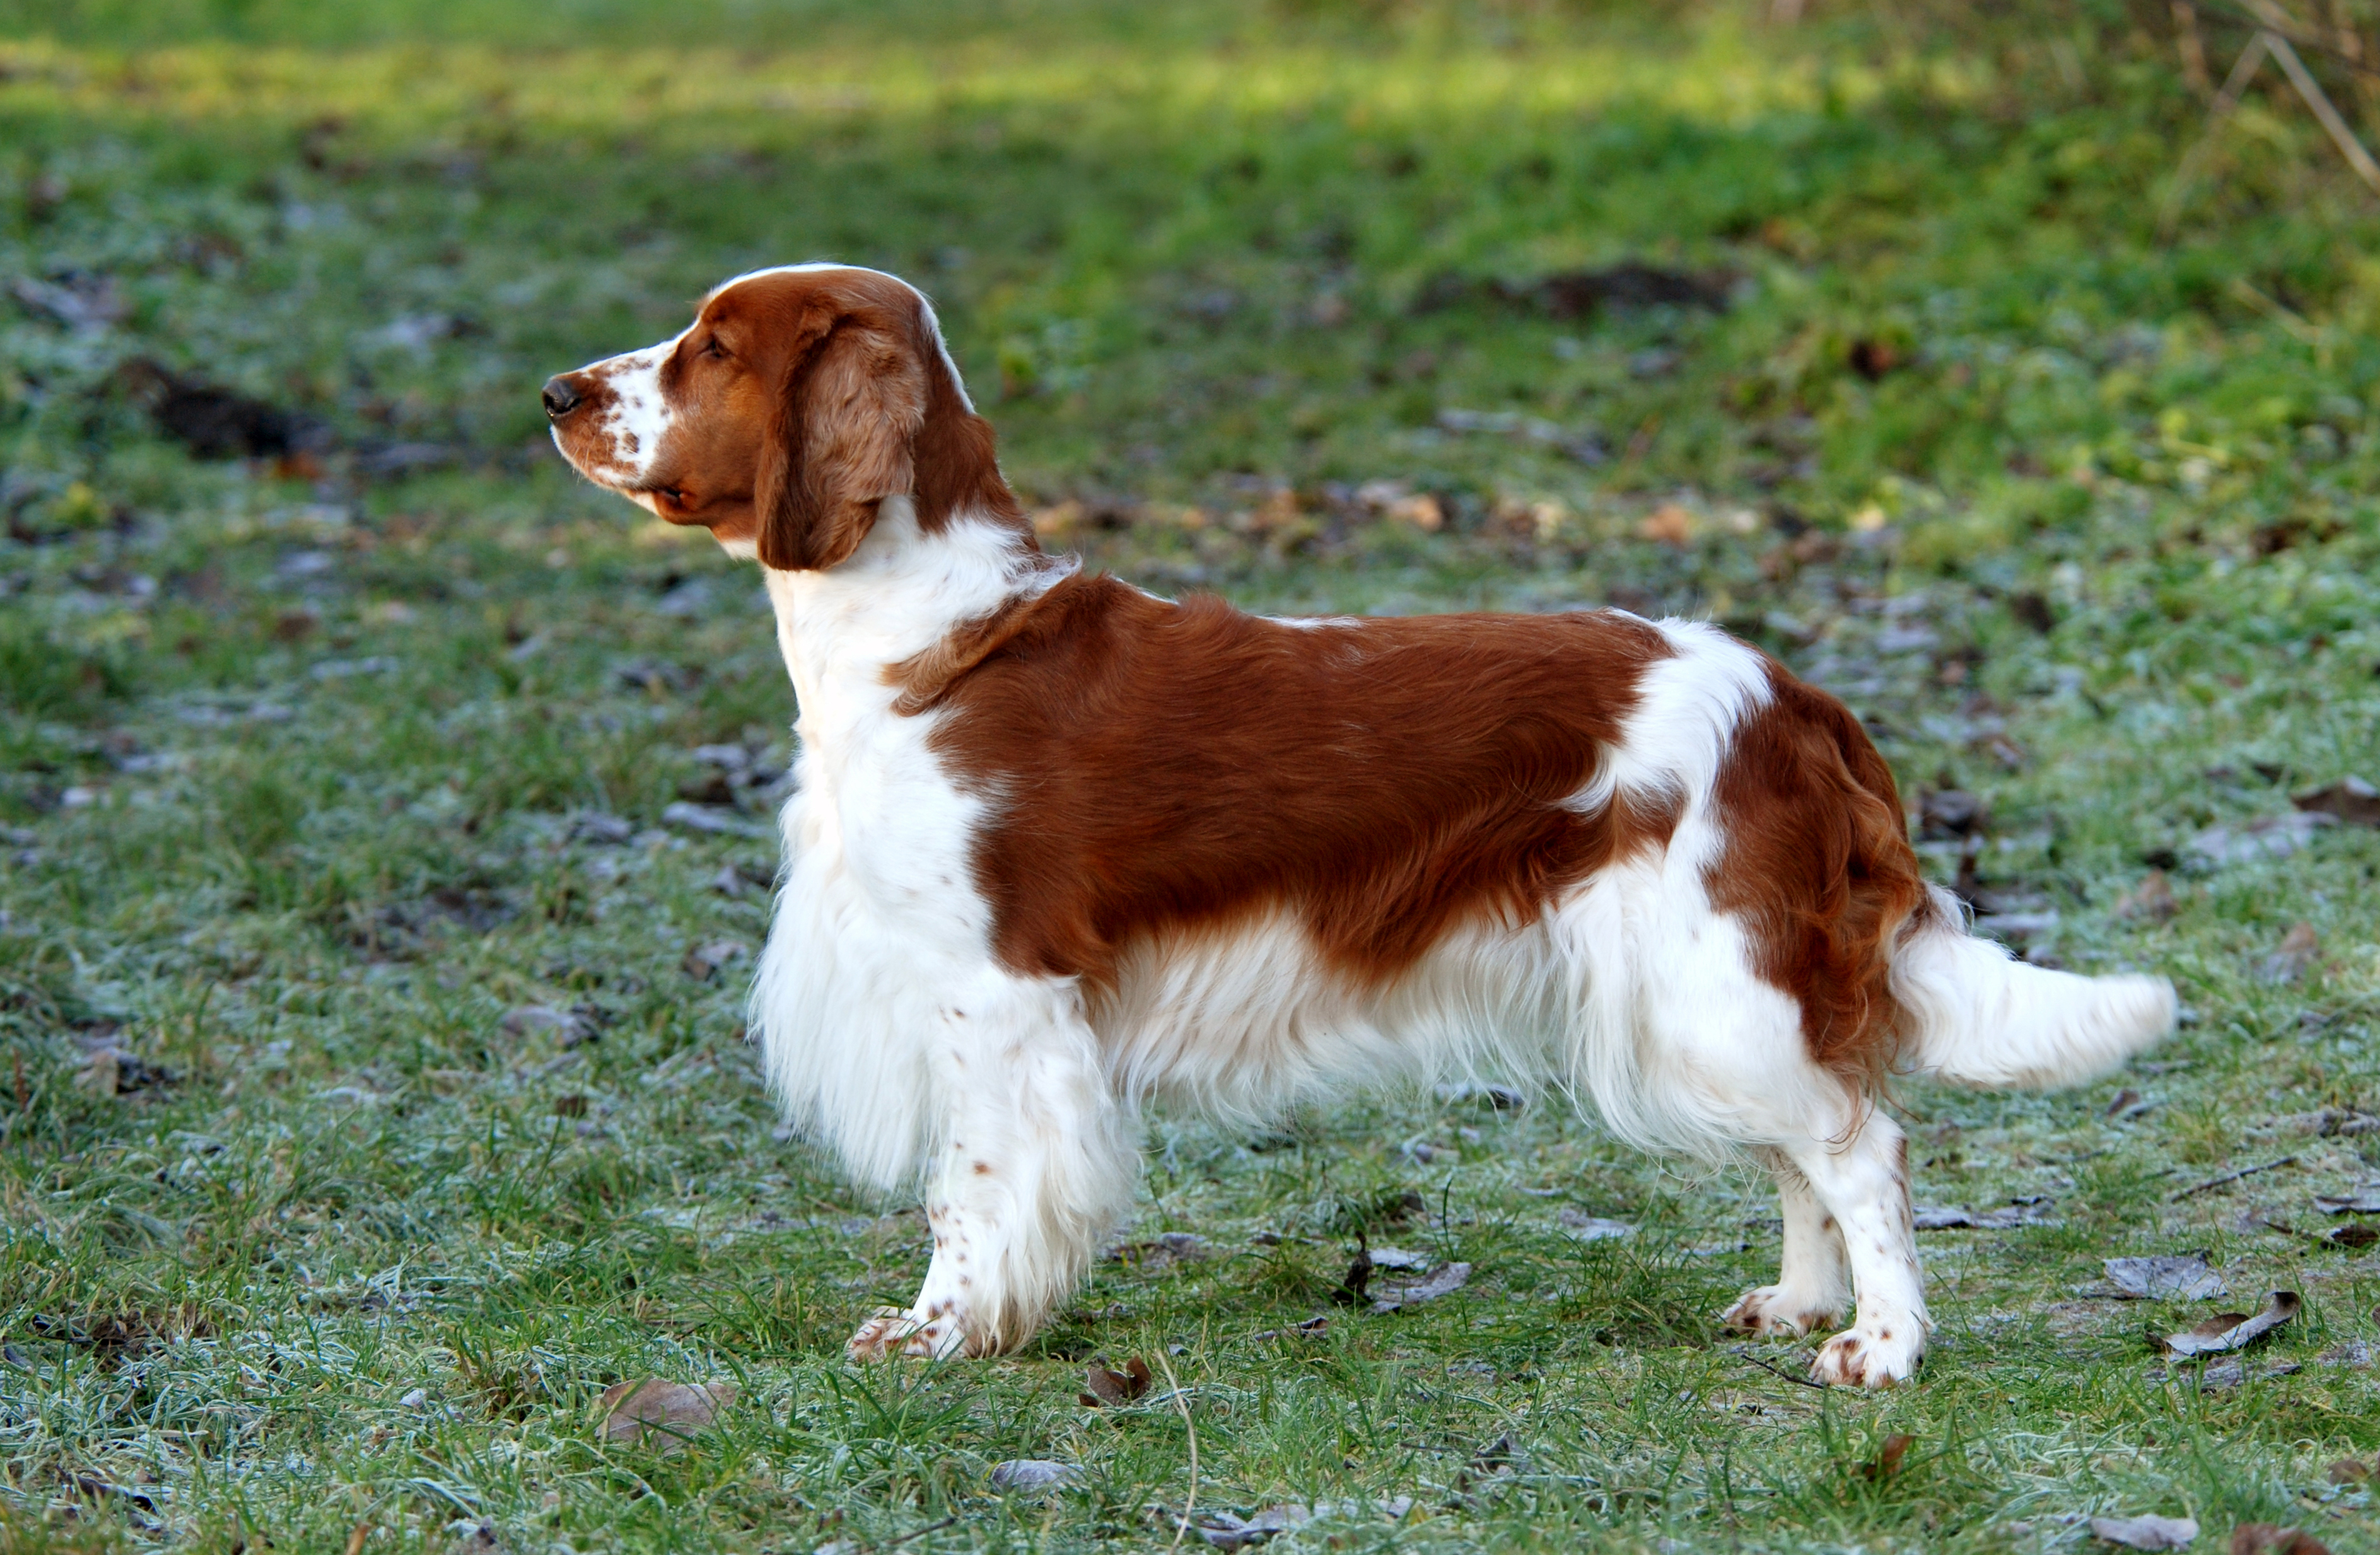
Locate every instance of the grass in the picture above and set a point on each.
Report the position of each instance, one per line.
(307, 764)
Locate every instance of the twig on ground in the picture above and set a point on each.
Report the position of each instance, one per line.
(2279, 22)
(2316, 100)
(2192, 47)
(2299, 329)
(2232, 1177)
(1190, 1503)
(2226, 102)
(916, 1533)
(1740, 1353)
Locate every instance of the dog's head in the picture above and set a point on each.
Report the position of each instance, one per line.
(796, 401)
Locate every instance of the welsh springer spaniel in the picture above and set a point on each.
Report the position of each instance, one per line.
(1062, 847)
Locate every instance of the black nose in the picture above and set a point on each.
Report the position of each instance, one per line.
(561, 399)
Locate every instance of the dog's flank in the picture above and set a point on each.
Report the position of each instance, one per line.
(1060, 847)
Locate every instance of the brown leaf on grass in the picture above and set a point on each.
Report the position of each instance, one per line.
(2032, 1209)
(2296, 954)
(2264, 1539)
(2166, 1277)
(1306, 1329)
(2224, 1375)
(662, 1414)
(2350, 799)
(2349, 1470)
(111, 1071)
(2364, 1200)
(2145, 1533)
(567, 1027)
(1446, 1281)
(2152, 899)
(1873, 359)
(1161, 1251)
(1887, 1461)
(1949, 812)
(1031, 1475)
(1108, 1388)
(2268, 837)
(704, 960)
(2355, 1236)
(1669, 525)
(2127, 1104)
(2232, 1330)
(1354, 1291)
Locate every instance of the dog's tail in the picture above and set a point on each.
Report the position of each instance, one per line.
(1978, 1018)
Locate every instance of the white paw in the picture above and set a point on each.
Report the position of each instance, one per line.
(1779, 1311)
(1870, 1355)
(893, 1331)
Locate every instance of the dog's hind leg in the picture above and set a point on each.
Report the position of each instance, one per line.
(1813, 1287)
(1864, 1186)
(1717, 1058)
(1034, 1164)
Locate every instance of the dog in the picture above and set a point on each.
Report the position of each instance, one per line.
(1062, 848)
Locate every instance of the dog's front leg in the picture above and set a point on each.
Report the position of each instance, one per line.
(1035, 1164)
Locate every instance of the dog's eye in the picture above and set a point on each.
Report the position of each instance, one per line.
(712, 347)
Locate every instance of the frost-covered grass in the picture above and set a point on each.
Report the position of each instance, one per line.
(315, 772)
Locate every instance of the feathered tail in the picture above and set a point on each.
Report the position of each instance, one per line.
(1979, 1017)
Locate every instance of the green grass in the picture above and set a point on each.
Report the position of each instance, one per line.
(295, 759)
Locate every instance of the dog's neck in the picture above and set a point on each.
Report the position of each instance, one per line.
(901, 593)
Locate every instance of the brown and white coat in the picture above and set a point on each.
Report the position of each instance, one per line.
(1060, 848)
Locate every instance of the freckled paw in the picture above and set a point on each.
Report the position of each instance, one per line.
(1776, 1311)
(939, 1340)
(887, 1332)
(893, 1330)
(1861, 1358)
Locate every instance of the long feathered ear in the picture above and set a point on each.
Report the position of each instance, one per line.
(841, 438)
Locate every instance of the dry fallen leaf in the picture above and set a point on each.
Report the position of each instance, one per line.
(2152, 899)
(703, 960)
(1393, 1299)
(2349, 1471)
(2029, 1210)
(1355, 1289)
(1669, 524)
(2350, 799)
(1951, 812)
(2223, 1375)
(2145, 1533)
(1887, 1461)
(2354, 1235)
(1161, 1251)
(2297, 952)
(1225, 1530)
(2127, 1104)
(567, 1027)
(1306, 1329)
(2167, 1277)
(2271, 836)
(2233, 1330)
(2264, 1539)
(1030, 1474)
(1591, 1228)
(1110, 1388)
(664, 1413)
(2364, 1200)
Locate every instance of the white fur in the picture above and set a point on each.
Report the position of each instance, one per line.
(637, 416)
(1986, 1019)
(895, 1037)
